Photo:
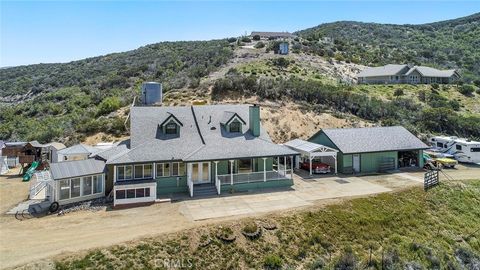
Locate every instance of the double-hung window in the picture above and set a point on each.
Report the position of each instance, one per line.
(87, 186)
(178, 168)
(163, 169)
(143, 171)
(64, 189)
(171, 128)
(74, 187)
(124, 172)
(235, 126)
(97, 184)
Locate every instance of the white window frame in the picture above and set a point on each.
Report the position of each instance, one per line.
(179, 173)
(99, 177)
(163, 169)
(124, 167)
(135, 192)
(82, 185)
(143, 171)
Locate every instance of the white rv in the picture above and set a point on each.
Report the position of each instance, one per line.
(463, 150)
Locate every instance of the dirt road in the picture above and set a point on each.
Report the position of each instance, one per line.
(22, 242)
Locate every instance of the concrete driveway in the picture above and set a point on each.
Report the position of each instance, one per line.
(303, 193)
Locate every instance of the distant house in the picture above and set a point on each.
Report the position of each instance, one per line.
(272, 35)
(396, 74)
(375, 149)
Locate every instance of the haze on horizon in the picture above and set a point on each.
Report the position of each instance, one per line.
(51, 32)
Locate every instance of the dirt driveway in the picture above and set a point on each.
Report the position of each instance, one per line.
(35, 239)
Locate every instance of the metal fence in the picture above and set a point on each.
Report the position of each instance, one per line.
(239, 178)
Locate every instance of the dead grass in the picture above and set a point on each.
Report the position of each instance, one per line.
(410, 227)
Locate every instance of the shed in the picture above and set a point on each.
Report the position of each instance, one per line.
(77, 152)
(373, 149)
(311, 151)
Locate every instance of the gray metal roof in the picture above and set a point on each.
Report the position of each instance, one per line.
(116, 150)
(374, 139)
(306, 146)
(79, 149)
(76, 168)
(432, 72)
(148, 143)
(392, 69)
(387, 70)
(273, 34)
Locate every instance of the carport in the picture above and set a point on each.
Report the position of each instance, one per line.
(312, 150)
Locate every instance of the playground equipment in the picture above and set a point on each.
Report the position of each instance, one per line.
(31, 170)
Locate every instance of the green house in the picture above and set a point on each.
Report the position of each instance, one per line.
(374, 149)
(196, 151)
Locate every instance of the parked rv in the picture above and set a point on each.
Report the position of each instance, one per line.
(463, 150)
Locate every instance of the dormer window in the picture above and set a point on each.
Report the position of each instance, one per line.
(171, 125)
(232, 122)
(171, 128)
(235, 126)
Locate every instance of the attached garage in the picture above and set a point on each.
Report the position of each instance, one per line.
(376, 149)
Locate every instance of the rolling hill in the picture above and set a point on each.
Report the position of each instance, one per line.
(70, 101)
(445, 44)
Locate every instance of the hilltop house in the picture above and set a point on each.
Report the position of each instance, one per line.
(196, 150)
(375, 149)
(395, 74)
(273, 35)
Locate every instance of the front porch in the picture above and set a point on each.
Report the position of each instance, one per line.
(241, 174)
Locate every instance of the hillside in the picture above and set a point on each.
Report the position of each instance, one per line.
(87, 100)
(446, 44)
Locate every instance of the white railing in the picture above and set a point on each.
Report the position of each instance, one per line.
(190, 186)
(38, 182)
(238, 178)
(218, 185)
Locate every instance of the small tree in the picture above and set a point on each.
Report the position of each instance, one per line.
(466, 89)
(256, 37)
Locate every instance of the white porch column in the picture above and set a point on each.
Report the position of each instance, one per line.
(291, 167)
(310, 160)
(189, 171)
(114, 174)
(231, 172)
(264, 169)
(278, 164)
(217, 184)
(336, 163)
(154, 170)
(285, 165)
(216, 170)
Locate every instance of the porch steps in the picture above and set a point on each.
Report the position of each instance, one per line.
(204, 190)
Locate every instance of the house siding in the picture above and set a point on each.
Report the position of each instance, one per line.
(256, 186)
(370, 162)
(173, 184)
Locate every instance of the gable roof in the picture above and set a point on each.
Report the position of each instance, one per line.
(306, 146)
(76, 168)
(203, 137)
(168, 118)
(229, 116)
(387, 70)
(432, 72)
(79, 149)
(374, 139)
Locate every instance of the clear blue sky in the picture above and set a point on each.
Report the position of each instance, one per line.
(46, 32)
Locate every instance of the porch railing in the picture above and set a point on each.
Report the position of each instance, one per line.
(239, 178)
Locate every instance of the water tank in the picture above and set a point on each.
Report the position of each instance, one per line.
(151, 93)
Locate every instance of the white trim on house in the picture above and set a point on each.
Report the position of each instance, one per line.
(82, 197)
(152, 186)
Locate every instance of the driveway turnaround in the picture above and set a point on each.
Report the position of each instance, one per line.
(303, 193)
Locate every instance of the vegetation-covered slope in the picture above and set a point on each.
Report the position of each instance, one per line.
(446, 44)
(412, 229)
(67, 101)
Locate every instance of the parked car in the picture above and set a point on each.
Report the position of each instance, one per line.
(317, 166)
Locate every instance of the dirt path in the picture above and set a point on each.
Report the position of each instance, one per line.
(32, 240)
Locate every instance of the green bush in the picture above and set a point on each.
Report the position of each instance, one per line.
(109, 105)
(231, 39)
(256, 37)
(246, 39)
(272, 262)
(259, 45)
(466, 89)
(398, 92)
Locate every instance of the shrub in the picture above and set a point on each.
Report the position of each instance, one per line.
(232, 39)
(435, 86)
(398, 92)
(246, 39)
(477, 83)
(259, 45)
(256, 37)
(318, 264)
(250, 227)
(347, 261)
(466, 89)
(108, 105)
(272, 261)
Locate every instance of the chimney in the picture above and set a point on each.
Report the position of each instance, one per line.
(254, 119)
